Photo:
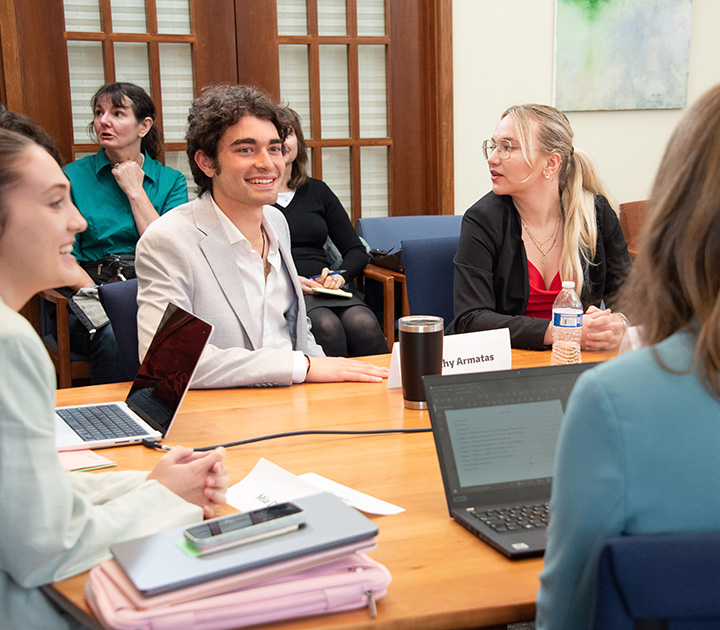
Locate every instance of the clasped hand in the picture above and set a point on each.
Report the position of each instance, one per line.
(198, 477)
(129, 176)
(602, 330)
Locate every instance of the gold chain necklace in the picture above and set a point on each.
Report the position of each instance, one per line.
(266, 262)
(541, 246)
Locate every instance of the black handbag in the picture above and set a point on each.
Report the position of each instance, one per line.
(110, 268)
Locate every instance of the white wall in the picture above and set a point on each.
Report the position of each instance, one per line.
(503, 55)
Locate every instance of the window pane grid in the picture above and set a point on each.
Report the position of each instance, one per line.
(160, 61)
(338, 79)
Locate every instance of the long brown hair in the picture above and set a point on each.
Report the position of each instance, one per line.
(675, 278)
(299, 174)
(578, 181)
(12, 148)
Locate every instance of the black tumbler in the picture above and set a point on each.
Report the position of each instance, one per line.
(421, 348)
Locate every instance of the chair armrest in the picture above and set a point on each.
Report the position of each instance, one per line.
(381, 274)
(51, 295)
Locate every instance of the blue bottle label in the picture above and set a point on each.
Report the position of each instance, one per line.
(566, 319)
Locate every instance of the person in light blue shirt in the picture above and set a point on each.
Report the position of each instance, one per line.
(119, 191)
(638, 447)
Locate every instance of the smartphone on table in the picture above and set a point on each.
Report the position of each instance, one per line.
(224, 532)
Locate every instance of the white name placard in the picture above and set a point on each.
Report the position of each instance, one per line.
(484, 351)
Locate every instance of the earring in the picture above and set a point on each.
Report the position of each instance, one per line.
(546, 174)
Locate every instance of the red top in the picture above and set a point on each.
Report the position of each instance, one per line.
(541, 299)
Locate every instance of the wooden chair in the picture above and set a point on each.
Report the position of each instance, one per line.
(69, 365)
(632, 217)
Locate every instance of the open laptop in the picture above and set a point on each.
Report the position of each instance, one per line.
(155, 396)
(495, 434)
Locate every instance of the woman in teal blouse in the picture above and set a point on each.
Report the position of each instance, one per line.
(119, 191)
(638, 448)
(122, 188)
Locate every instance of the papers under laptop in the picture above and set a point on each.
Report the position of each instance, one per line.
(495, 435)
(154, 398)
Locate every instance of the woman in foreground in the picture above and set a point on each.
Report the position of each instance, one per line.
(546, 220)
(637, 451)
(56, 524)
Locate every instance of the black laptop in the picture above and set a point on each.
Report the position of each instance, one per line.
(155, 396)
(495, 434)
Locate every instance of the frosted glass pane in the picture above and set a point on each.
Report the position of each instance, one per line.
(374, 181)
(371, 18)
(334, 98)
(128, 16)
(336, 173)
(85, 61)
(131, 64)
(373, 96)
(179, 161)
(292, 17)
(176, 84)
(295, 82)
(332, 18)
(82, 15)
(173, 16)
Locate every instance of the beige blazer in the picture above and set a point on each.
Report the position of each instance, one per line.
(185, 257)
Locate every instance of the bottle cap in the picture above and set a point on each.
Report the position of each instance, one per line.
(568, 284)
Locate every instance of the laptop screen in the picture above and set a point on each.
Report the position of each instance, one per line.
(496, 432)
(169, 364)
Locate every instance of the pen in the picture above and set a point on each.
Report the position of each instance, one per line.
(332, 273)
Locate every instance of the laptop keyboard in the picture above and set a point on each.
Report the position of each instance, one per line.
(516, 517)
(100, 422)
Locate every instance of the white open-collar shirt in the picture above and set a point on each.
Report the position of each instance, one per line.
(271, 297)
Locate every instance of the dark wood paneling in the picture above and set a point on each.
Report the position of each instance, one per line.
(44, 69)
(214, 55)
(257, 49)
(421, 161)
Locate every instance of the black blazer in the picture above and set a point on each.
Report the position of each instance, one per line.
(492, 288)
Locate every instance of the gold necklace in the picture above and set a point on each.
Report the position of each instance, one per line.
(541, 246)
(266, 262)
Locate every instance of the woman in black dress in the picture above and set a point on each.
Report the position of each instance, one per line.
(343, 326)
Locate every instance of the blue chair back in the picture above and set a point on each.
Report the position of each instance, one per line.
(429, 272)
(388, 232)
(120, 302)
(659, 581)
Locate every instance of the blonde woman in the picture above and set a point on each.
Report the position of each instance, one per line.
(546, 220)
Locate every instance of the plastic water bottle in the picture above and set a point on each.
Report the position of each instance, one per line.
(567, 314)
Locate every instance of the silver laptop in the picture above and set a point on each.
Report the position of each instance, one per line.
(155, 396)
(158, 563)
(495, 435)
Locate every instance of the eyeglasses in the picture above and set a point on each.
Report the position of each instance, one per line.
(504, 149)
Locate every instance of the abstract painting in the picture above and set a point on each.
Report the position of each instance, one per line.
(621, 54)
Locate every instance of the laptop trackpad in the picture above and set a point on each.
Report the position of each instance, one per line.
(64, 435)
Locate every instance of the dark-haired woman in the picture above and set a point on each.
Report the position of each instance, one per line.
(56, 524)
(119, 191)
(344, 327)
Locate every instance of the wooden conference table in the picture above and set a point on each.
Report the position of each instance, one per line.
(443, 576)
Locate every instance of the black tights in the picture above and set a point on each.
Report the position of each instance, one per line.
(350, 331)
